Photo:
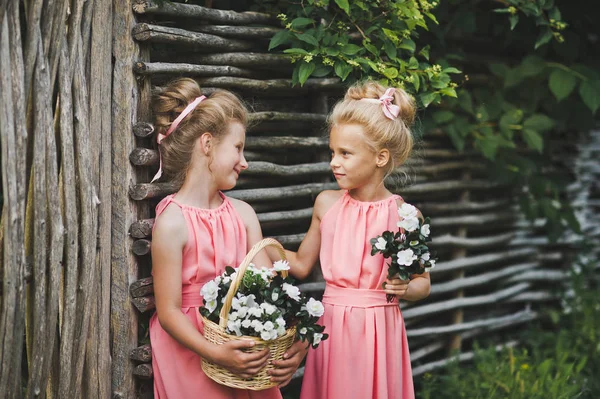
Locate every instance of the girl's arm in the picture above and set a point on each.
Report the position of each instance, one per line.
(168, 240)
(415, 289)
(303, 261)
(253, 231)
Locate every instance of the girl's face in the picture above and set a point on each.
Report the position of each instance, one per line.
(228, 157)
(353, 162)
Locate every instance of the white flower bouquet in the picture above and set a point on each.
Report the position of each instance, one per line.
(259, 304)
(408, 248)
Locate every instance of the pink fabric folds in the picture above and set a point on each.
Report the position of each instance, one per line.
(366, 355)
(216, 238)
(390, 110)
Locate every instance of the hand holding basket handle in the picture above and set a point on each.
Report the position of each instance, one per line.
(216, 333)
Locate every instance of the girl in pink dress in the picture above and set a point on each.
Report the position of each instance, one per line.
(367, 353)
(198, 231)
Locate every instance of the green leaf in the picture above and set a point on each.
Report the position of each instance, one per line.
(441, 117)
(514, 20)
(279, 38)
(301, 22)
(351, 49)
(308, 38)
(543, 38)
(321, 71)
(488, 146)
(539, 122)
(344, 5)
(533, 140)
(413, 63)
(562, 83)
(451, 70)
(457, 139)
(390, 73)
(306, 69)
(342, 70)
(408, 44)
(449, 91)
(499, 70)
(427, 98)
(465, 101)
(590, 94)
(390, 49)
(532, 65)
(372, 49)
(425, 52)
(294, 50)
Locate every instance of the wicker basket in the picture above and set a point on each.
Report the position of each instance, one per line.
(216, 334)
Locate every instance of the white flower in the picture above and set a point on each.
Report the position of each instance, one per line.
(256, 312)
(407, 211)
(233, 316)
(280, 322)
(210, 291)
(426, 256)
(315, 308)
(406, 257)
(274, 334)
(236, 303)
(432, 263)
(234, 327)
(281, 265)
(211, 305)
(268, 308)
(226, 279)
(246, 323)
(317, 338)
(218, 280)
(292, 291)
(425, 230)
(242, 312)
(257, 325)
(280, 331)
(265, 335)
(268, 326)
(274, 296)
(381, 244)
(303, 331)
(409, 224)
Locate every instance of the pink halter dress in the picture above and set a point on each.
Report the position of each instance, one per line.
(366, 355)
(216, 238)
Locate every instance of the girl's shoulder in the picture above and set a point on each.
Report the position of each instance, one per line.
(242, 208)
(171, 224)
(325, 201)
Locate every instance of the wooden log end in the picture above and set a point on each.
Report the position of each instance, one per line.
(141, 247)
(144, 157)
(143, 129)
(143, 371)
(141, 228)
(141, 354)
(144, 304)
(142, 287)
(139, 67)
(140, 6)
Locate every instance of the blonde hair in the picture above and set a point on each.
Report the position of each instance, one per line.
(380, 132)
(212, 115)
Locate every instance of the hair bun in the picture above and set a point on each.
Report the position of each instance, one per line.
(173, 99)
(374, 90)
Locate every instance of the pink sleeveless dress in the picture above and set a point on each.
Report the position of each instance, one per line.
(366, 355)
(216, 238)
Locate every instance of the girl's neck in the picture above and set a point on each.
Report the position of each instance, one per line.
(199, 190)
(370, 193)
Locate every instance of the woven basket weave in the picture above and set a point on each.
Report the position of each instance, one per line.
(216, 334)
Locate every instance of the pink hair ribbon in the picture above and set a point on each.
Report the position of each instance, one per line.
(190, 107)
(390, 110)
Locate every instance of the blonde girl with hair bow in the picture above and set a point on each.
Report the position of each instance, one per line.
(367, 353)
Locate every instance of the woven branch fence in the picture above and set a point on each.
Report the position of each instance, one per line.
(78, 153)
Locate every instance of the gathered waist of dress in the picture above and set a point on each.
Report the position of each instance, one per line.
(190, 295)
(355, 297)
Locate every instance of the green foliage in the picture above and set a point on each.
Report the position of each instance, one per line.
(556, 359)
(540, 78)
(357, 39)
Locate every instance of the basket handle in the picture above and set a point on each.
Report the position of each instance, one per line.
(259, 246)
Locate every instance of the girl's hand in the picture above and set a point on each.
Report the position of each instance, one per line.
(396, 287)
(232, 357)
(285, 368)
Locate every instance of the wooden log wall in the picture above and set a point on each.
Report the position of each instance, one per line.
(496, 268)
(66, 257)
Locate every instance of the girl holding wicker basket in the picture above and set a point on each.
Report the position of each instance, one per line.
(367, 353)
(198, 231)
